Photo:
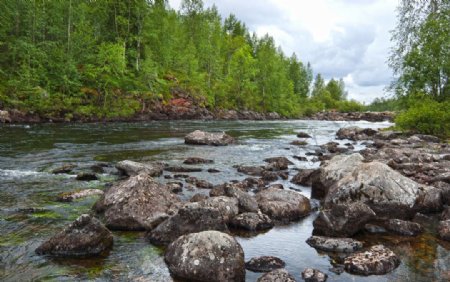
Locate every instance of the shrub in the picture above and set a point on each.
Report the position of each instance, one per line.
(427, 117)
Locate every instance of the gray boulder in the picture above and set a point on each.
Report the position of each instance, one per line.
(314, 275)
(251, 221)
(342, 220)
(86, 236)
(199, 137)
(131, 168)
(264, 264)
(283, 205)
(403, 227)
(138, 203)
(206, 256)
(444, 230)
(191, 218)
(339, 245)
(377, 260)
(278, 275)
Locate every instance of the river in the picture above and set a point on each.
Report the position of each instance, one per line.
(29, 212)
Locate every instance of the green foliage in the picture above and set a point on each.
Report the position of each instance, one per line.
(426, 116)
(108, 59)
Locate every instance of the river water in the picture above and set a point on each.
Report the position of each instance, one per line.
(29, 213)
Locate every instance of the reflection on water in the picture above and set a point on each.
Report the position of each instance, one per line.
(29, 213)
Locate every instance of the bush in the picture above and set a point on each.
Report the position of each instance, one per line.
(427, 117)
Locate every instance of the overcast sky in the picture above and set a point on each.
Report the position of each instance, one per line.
(341, 38)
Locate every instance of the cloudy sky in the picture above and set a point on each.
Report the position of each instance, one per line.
(341, 38)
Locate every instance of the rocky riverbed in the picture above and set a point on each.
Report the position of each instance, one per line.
(298, 200)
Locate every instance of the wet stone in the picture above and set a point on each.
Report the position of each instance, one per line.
(377, 260)
(314, 275)
(328, 244)
(278, 275)
(264, 264)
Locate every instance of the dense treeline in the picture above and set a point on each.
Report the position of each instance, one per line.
(112, 58)
(421, 60)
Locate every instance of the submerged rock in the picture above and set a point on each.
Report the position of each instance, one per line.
(343, 220)
(264, 264)
(138, 203)
(251, 221)
(377, 260)
(314, 275)
(66, 168)
(444, 230)
(182, 169)
(86, 236)
(191, 218)
(278, 275)
(206, 256)
(283, 205)
(303, 135)
(405, 228)
(207, 138)
(340, 245)
(195, 160)
(131, 168)
(86, 176)
(71, 196)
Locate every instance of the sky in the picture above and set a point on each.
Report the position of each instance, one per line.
(347, 39)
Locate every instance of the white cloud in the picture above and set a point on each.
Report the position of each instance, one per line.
(341, 38)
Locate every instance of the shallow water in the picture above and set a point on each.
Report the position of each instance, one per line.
(28, 153)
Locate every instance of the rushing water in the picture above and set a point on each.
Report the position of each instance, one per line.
(28, 153)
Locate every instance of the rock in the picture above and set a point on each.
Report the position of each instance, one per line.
(182, 169)
(66, 168)
(303, 177)
(374, 229)
(428, 138)
(213, 170)
(276, 186)
(342, 220)
(303, 135)
(198, 198)
(283, 205)
(206, 256)
(430, 199)
(405, 228)
(314, 275)
(191, 218)
(278, 163)
(299, 143)
(175, 187)
(269, 176)
(278, 275)
(264, 264)
(339, 245)
(251, 221)
(375, 184)
(86, 176)
(199, 183)
(444, 230)
(131, 168)
(5, 117)
(227, 206)
(138, 203)
(206, 138)
(377, 260)
(355, 133)
(246, 202)
(251, 170)
(86, 236)
(331, 172)
(70, 196)
(194, 160)
(300, 158)
(445, 214)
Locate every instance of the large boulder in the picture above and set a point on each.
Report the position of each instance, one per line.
(138, 203)
(251, 221)
(377, 260)
(331, 172)
(375, 184)
(199, 137)
(246, 202)
(355, 133)
(86, 236)
(206, 256)
(339, 245)
(343, 220)
(191, 218)
(264, 264)
(283, 205)
(277, 275)
(131, 168)
(227, 206)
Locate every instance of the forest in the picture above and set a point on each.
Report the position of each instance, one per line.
(105, 59)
